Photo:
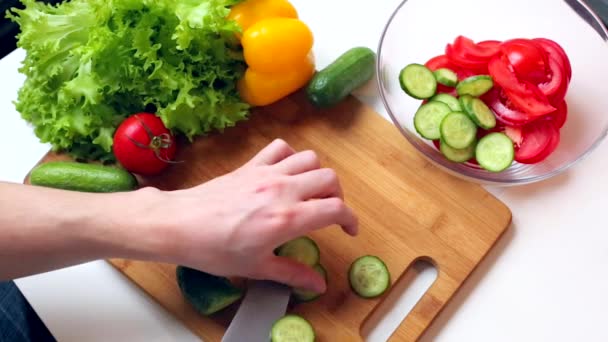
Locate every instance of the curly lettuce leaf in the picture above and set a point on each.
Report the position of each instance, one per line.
(91, 63)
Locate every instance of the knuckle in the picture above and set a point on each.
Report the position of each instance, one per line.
(274, 186)
(283, 218)
(335, 205)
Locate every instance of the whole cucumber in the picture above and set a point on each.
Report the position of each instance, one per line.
(82, 177)
(335, 82)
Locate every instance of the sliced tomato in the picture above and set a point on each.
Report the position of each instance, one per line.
(559, 117)
(553, 48)
(437, 144)
(481, 52)
(539, 140)
(458, 58)
(496, 100)
(527, 57)
(442, 61)
(557, 85)
(502, 73)
(515, 134)
(490, 44)
(438, 62)
(533, 102)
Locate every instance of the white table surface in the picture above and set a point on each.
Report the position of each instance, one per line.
(544, 281)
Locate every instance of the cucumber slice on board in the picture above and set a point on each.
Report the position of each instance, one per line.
(302, 249)
(302, 295)
(475, 85)
(448, 99)
(478, 111)
(457, 155)
(495, 152)
(428, 117)
(292, 328)
(458, 131)
(369, 277)
(418, 81)
(446, 77)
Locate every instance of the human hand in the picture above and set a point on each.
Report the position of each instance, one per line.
(231, 225)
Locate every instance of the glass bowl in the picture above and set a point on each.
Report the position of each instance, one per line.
(420, 29)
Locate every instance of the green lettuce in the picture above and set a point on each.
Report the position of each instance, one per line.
(91, 63)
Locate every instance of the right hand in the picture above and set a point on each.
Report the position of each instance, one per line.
(230, 225)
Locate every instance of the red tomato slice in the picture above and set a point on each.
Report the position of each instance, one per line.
(481, 52)
(539, 140)
(515, 134)
(503, 75)
(437, 144)
(443, 61)
(457, 57)
(556, 87)
(559, 117)
(438, 62)
(553, 48)
(534, 102)
(504, 112)
(527, 57)
(490, 44)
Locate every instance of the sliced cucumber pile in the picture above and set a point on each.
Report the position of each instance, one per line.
(292, 328)
(369, 277)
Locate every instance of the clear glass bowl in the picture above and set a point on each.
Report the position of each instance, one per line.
(420, 29)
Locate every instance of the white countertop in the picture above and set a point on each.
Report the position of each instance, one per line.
(544, 281)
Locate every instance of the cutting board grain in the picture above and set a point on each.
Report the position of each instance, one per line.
(408, 209)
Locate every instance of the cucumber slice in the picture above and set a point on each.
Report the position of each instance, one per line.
(207, 293)
(495, 152)
(292, 328)
(448, 99)
(458, 131)
(457, 155)
(302, 249)
(418, 81)
(478, 111)
(302, 295)
(369, 277)
(475, 85)
(427, 119)
(446, 77)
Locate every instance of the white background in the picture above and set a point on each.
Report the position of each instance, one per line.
(544, 281)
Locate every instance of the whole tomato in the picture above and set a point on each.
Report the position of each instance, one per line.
(143, 145)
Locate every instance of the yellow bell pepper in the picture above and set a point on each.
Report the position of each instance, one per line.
(277, 47)
(250, 12)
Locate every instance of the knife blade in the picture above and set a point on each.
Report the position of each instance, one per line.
(264, 303)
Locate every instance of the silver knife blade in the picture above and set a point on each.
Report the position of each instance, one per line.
(264, 303)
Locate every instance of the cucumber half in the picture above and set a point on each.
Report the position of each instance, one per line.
(446, 77)
(418, 81)
(427, 119)
(458, 131)
(302, 249)
(495, 152)
(292, 328)
(369, 277)
(478, 111)
(475, 85)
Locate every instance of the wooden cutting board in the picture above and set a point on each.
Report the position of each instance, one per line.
(408, 210)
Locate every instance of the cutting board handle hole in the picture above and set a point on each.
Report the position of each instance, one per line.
(404, 295)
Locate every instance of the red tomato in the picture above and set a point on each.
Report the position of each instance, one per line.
(143, 145)
(443, 61)
(534, 102)
(438, 62)
(553, 48)
(556, 87)
(503, 75)
(539, 140)
(515, 134)
(528, 59)
(504, 113)
(559, 117)
(482, 52)
(457, 57)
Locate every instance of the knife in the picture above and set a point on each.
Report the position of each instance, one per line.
(264, 303)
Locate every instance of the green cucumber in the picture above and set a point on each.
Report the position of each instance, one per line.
(207, 293)
(302, 249)
(418, 81)
(495, 152)
(292, 328)
(428, 117)
(348, 72)
(302, 295)
(475, 85)
(448, 99)
(478, 111)
(457, 155)
(369, 277)
(82, 177)
(458, 131)
(446, 77)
